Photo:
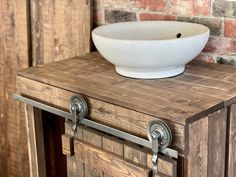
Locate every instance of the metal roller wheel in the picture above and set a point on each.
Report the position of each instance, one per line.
(78, 102)
(160, 127)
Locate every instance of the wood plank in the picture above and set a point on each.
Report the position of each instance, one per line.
(35, 142)
(60, 29)
(142, 156)
(114, 145)
(95, 170)
(186, 95)
(95, 138)
(13, 56)
(206, 147)
(103, 160)
(217, 123)
(67, 145)
(198, 149)
(75, 168)
(135, 154)
(108, 114)
(231, 156)
(166, 165)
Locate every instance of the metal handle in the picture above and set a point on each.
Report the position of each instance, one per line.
(79, 109)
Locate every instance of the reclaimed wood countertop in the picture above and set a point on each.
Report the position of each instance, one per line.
(202, 89)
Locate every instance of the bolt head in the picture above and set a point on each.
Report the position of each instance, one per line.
(154, 136)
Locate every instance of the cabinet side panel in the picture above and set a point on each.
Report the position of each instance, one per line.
(217, 143)
(198, 149)
(231, 170)
(206, 146)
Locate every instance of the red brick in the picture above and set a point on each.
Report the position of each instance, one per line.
(205, 57)
(149, 4)
(222, 46)
(190, 7)
(230, 28)
(148, 16)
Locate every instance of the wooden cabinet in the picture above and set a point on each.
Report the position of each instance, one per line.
(198, 106)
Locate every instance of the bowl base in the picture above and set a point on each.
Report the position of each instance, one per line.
(151, 73)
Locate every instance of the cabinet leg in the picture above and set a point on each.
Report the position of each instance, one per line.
(35, 141)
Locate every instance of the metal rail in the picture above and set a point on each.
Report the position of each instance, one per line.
(97, 126)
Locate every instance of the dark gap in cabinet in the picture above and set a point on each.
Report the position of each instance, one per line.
(55, 160)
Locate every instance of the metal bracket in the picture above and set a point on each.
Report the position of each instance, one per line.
(159, 134)
(161, 137)
(79, 109)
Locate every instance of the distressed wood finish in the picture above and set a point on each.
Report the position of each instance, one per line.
(231, 156)
(188, 96)
(13, 56)
(116, 147)
(207, 146)
(95, 138)
(194, 105)
(60, 29)
(100, 111)
(102, 163)
(35, 139)
(75, 168)
(94, 157)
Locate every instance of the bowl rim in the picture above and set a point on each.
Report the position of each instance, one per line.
(95, 33)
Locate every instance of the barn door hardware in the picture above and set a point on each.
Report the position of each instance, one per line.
(158, 132)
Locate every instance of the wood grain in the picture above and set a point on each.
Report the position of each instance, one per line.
(231, 161)
(198, 149)
(206, 147)
(114, 145)
(67, 145)
(13, 56)
(166, 165)
(95, 138)
(106, 113)
(75, 168)
(60, 29)
(135, 154)
(97, 158)
(35, 139)
(217, 123)
(187, 96)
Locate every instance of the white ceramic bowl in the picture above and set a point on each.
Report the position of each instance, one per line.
(150, 49)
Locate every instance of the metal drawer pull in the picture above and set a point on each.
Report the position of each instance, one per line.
(158, 132)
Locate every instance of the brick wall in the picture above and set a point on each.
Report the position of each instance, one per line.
(218, 15)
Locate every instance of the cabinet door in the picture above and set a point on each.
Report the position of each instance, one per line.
(95, 154)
